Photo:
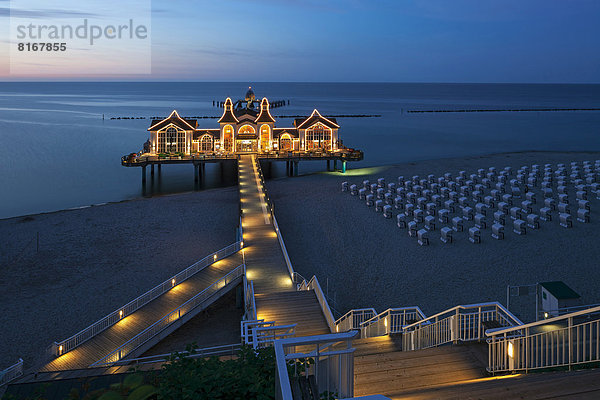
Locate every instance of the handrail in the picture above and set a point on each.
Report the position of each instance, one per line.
(502, 331)
(11, 373)
(334, 370)
(377, 317)
(352, 314)
(66, 345)
(313, 284)
(465, 307)
(171, 317)
(392, 320)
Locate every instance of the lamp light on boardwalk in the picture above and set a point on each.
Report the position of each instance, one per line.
(120, 314)
(173, 282)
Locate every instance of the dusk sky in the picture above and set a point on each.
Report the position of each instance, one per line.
(538, 41)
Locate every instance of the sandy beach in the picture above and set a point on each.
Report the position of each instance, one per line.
(367, 261)
(93, 260)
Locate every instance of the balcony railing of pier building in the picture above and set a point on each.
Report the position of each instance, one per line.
(66, 345)
(462, 323)
(157, 327)
(565, 341)
(11, 373)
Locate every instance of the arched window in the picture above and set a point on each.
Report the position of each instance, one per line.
(171, 140)
(246, 129)
(318, 136)
(285, 142)
(227, 138)
(206, 143)
(265, 137)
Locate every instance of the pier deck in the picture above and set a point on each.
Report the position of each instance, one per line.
(276, 297)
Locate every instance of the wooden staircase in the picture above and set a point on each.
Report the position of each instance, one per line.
(380, 367)
(293, 307)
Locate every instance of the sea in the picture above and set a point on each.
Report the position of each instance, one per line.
(61, 146)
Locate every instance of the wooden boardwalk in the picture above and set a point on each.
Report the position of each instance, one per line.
(113, 337)
(276, 297)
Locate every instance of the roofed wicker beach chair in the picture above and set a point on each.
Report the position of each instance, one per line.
(412, 228)
(467, 213)
(366, 184)
(563, 198)
(480, 221)
(547, 192)
(379, 206)
(531, 196)
(489, 201)
(481, 208)
(388, 198)
(380, 193)
(370, 200)
(581, 195)
(373, 188)
(419, 216)
(565, 220)
(409, 209)
(457, 224)
(436, 199)
(499, 217)
(474, 235)
(583, 204)
(398, 203)
(533, 221)
(527, 206)
(583, 215)
(423, 237)
(508, 199)
(519, 227)
(446, 234)
(401, 180)
(387, 211)
(391, 187)
(443, 215)
(381, 182)
(353, 190)
(498, 231)
(345, 186)
(401, 221)
(450, 206)
(516, 212)
(362, 194)
(430, 223)
(545, 214)
(431, 208)
(550, 203)
(502, 206)
(564, 208)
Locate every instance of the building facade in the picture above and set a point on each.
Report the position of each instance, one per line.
(246, 126)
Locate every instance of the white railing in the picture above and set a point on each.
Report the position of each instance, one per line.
(11, 373)
(332, 363)
(313, 284)
(461, 323)
(223, 350)
(562, 341)
(250, 301)
(261, 333)
(154, 329)
(392, 320)
(353, 319)
(286, 257)
(64, 346)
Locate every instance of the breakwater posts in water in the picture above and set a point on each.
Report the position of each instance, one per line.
(505, 110)
(276, 116)
(272, 104)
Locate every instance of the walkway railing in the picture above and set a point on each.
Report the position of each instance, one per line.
(353, 319)
(64, 346)
(460, 323)
(313, 284)
(332, 366)
(261, 333)
(249, 300)
(563, 341)
(154, 329)
(11, 373)
(392, 320)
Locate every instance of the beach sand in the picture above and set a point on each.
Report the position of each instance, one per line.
(93, 260)
(364, 260)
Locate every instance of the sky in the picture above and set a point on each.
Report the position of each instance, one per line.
(520, 41)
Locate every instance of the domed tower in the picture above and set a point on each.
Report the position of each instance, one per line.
(250, 97)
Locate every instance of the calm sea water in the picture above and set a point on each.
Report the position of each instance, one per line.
(59, 153)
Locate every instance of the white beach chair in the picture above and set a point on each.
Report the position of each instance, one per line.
(387, 211)
(421, 202)
(401, 221)
(531, 196)
(519, 227)
(496, 195)
(345, 186)
(583, 204)
(550, 203)
(412, 228)
(500, 217)
(430, 223)
(370, 200)
(450, 205)
(508, 199)
(418, 215)
(502, 206)
(481, 208)
(379, 206)
(564, 208)
(547, 193)
(533, 221)
(474, 235)
(423, 237)
(367, 184)
(446, 234)
(380, 193)
(498, 231)
(581, 195)
(477, 196)
(381, 182)
(373, 188)
(565, 220)
(398, 203)
(489, 201)
(467, 213)
(463, 201)
(527, 206)
(392, 187)
(443, 216)
(401, 180)
(437, 200)
(431, 209)
(516, 213)
(389, 198)
(353, 190)
(545, 214)
(563, 198)
(583, 215)
(457, 224)
(409, 209)
(480, 221)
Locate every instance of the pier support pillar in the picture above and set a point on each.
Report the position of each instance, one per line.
(152, 170)
(144, 175)
(159, 167)
(335, 165)
(287, 168)
(343, 167)
(328, 165)
(296, 167)
(196, 173)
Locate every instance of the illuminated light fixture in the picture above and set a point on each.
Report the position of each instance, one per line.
(337, 328)
(545, 315)
(60, 348)
(173, 282)
(121, 314)
(242, 243)
(510, 350)
(215, 257)
(385, 322)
